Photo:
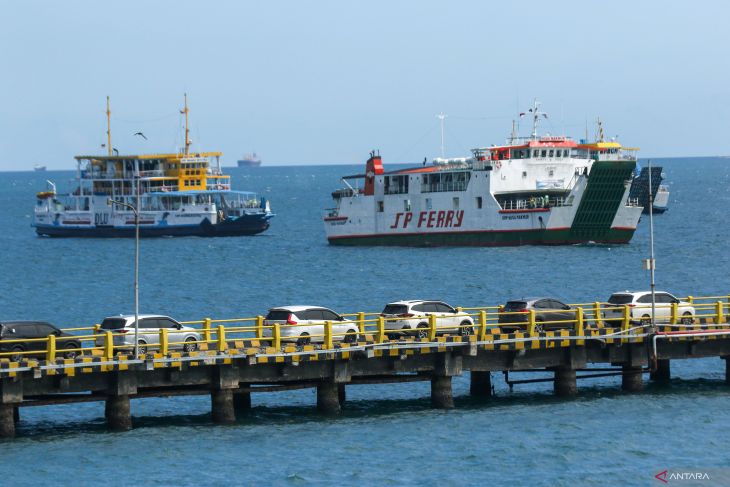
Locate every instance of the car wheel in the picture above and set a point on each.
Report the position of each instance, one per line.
(190, 345)
(141, 347)
(466, 329)
(645, 320)
(70, 353)
(350, 337)
(16, 354)
(687, 319)
(422, 330)
(304, 340)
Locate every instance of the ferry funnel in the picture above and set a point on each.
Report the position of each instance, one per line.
(373, 167)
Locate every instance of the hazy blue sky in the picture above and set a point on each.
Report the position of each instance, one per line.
(325, 82)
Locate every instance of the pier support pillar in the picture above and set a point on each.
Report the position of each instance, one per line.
(565, 382)
(328, 397)
(341, 394)
(242, 400)
(662, 374)
(727, 369)
(441, 396)
(16, 414)
(7, 421)
(221, 402)
(631, 380)
(118, 412)
(481, 384)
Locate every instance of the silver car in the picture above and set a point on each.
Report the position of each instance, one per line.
(122, 326)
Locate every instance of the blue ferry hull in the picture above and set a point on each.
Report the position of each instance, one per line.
(245, 225)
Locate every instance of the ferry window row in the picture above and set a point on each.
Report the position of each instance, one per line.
(447, 181)
(191, 182)
(539, 153)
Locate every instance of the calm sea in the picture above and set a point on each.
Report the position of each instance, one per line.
(388, 434)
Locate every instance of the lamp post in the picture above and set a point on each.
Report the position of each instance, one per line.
(134, 209)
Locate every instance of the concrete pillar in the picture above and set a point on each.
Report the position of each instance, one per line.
(565, 383)
(441, 396)
(328, 398)
(241, 401)
(118, 413)
(341, 394)
(7, 422)
(481, 384)
(662, 374)
(221, 401)
(631, 380)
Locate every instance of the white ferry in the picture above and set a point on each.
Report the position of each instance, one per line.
(534, 190)
(176, 194)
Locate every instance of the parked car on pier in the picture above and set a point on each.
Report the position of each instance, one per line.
(639, 304)
(515, 315)
(411, 317)
(122, 327)
(305, 324)
(19, 330)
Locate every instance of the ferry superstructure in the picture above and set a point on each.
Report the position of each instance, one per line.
(535, 190)
(179, 194)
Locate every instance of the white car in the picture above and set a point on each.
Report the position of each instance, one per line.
(639, 303)
(305, 324)
(122, 326)
(407, 316)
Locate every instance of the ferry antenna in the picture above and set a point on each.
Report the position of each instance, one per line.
(108, 127)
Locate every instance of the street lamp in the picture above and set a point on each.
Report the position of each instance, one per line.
(134, 208)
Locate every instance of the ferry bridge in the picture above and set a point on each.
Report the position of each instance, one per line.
(234, 359)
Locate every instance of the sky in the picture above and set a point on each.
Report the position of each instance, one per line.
(325, 82)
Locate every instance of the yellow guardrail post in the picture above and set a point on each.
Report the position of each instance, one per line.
(482, 325)
(222, 345)
(328, 335)
(597, 314)
(719, 312)
(690, 299)
(431, 328)
(277, 337)
(164, 342)
(51, 348)
(626, 322)
(207, 334)
(361, 322)
(673, 312)
(97, 327)
(259, 326)
(108, 345)
(381, 330)
(531, 323)
(580, 325)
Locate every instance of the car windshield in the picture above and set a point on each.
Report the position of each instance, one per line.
(620, 298)
(515, 305)
(277, 315)
(395, 309)
(113, 323)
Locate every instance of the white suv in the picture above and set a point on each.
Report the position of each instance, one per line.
(406, 316)
(305, 324)
(639, 303)
(122, 326)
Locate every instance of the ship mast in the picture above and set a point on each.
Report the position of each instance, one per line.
(599, 135)
(536, 113)
(187, 129)
(108, 127)
(441, 117)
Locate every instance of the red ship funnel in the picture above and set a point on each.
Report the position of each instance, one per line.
(373, 167)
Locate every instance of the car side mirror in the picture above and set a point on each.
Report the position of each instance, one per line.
(178, 326)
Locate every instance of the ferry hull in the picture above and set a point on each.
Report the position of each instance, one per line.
(487, 238)
(246, 225)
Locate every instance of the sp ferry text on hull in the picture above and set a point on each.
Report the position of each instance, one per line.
(537, 190)
(180, 194)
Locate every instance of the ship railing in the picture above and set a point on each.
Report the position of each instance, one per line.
(151, 173)
(591, 320)
(444, 186)
(632, 202)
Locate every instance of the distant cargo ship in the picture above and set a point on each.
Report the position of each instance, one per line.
(38, 167)
(249, 160)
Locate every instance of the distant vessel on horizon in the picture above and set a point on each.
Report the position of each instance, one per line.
(38, 167)
(250, 160)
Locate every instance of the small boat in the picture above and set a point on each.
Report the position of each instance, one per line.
(659, 192)
(661, 199)
(176, 194)
(38, 167)
(250, 160)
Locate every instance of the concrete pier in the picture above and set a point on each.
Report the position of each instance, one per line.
(565, 382)
(328, 397)
(222, 410)
(662, 374)
(118, 412)
(441, 396)
(480, 384)
(631, 380)
(7, 421)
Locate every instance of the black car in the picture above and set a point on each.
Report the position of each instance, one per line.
(547, 310)
(18, 330)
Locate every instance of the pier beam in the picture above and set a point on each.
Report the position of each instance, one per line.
(662, 374)
(565, 382)
(118, 412)
(480, 384)
(631, 380)
(7, 421)
(221, 403)
(328, 397)
(441, 396)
